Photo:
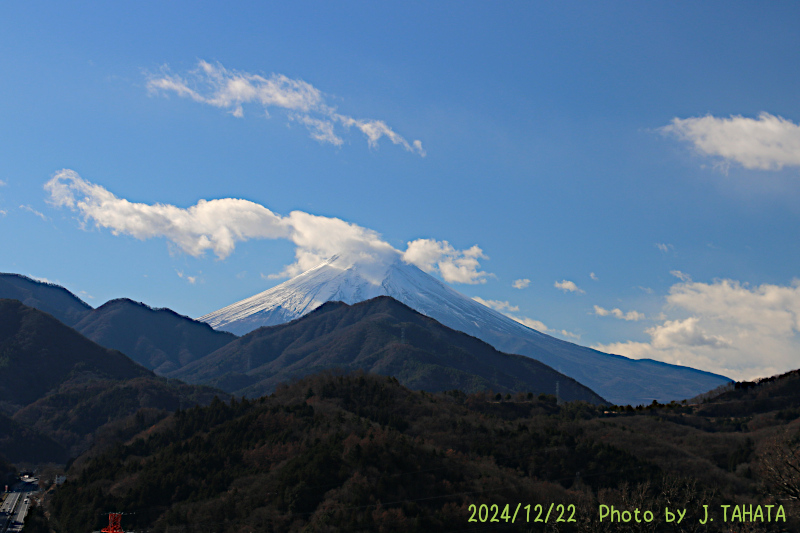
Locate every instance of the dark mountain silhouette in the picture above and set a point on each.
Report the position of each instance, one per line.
(381, 336)
(779, 393)
(159, 339)
(39, 353)
(362, 453)
(75, 414)
(43, 296)
(61, 389)
(22, 444)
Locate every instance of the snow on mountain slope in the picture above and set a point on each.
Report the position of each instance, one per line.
(619, 379)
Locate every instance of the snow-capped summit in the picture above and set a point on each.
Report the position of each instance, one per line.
(332, 280)
(350, 282)
(616, 378)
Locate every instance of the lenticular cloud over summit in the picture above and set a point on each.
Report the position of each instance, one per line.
(217, 225)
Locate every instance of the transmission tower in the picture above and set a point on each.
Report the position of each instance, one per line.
(114, 521)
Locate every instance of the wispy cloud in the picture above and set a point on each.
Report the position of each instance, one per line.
(218, 225)
(664, 248)
(521, 283)
(726, 327)
(541, 327)
(768, 142)
(567, 286)
(190, 279)
(3, 183)
(45, 280)
(593, 276)
(215, 85)
(617, 313)
(683, 276)
(29, 209)
(508, 310)
(497, 305)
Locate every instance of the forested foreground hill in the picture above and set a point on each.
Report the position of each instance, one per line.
(58, 389)
(362, 453)
(38, 354)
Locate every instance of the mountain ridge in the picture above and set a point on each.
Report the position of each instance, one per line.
(614, 377)
(158, 338)
(380, 335)
(39, 353)
(45, 296)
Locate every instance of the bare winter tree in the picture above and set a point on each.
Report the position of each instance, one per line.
(779, 463)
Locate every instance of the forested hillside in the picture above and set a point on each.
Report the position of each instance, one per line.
(362, 453)
(382, 336)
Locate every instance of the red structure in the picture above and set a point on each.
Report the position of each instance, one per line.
(114, 520)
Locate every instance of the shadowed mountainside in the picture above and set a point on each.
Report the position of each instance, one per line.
(39, 353)
(20, 443)
(47, 297)
(381, 336)
(73, 415)
(159, 339)
(60, 388)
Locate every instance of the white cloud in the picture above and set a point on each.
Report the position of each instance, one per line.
(567, 286)
(767, 143)
(684, 333)
(541, 327)
(214, 225)
(217, 225)
(375, 129)
(459, 266)
(531, 323)
(507, 309)
(664, 248)
(3, 212)
(320, 129)
(593, 276)
(190, 279)
(214, 85)
(497, 305)
(683, 276)
(733, 329)
(617, 313)
(3, 183)
(29, 209)
(521, 283)
(45, 280)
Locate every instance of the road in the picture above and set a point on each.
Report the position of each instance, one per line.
(13, 511)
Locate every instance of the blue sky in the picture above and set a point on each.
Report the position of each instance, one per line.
(636, 162)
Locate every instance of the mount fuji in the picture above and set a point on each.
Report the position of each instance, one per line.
(616, 378)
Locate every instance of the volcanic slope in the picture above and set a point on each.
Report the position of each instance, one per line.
(616, 378)
(381, 336)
